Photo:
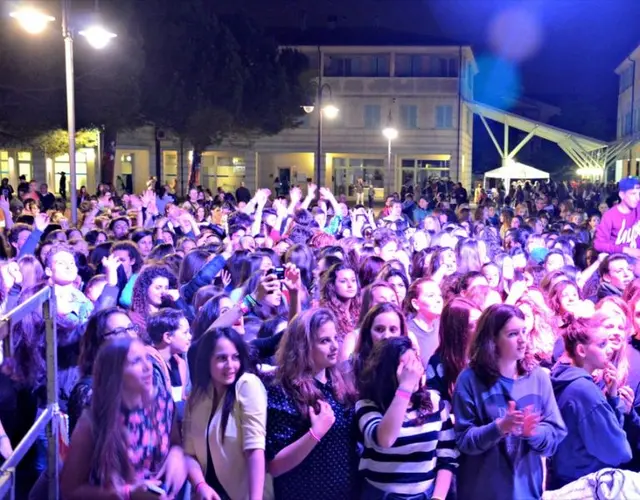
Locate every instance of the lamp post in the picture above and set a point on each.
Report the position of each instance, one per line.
(35, 22)
(330, 111)
(391, 133)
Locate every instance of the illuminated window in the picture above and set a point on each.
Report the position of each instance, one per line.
(170, 166)
(4, 164)
(347, 171)
(126, 162)
(25, 164)
(61, 164)
(230, 172)
(421, 172)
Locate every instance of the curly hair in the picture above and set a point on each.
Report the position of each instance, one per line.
(295, 372)
(145, 278)
(346, 316)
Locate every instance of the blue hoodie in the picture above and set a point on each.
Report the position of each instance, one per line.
(596, 438)
(496, 466)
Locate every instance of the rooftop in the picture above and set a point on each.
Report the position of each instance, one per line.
(357, 36)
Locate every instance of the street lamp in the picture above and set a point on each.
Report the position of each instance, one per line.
(34, 22)
(328, 110)
(391, 134)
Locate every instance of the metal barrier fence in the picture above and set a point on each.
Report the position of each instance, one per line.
(50, 418)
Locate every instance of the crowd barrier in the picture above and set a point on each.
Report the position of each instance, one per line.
(50, 418)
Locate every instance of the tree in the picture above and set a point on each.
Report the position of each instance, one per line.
(56, 142)
(207, 80)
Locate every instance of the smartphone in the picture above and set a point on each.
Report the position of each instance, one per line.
(278, 271)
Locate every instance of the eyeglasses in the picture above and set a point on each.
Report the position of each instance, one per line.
(128, 330)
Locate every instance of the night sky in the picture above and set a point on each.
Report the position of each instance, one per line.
(553, 48)
(563, 52)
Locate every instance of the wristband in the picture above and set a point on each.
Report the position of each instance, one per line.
(313, 435)
(197, 488)
(403, 393)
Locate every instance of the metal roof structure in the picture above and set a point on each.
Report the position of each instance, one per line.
(592, 155)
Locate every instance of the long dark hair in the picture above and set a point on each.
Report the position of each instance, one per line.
(483, 351)
(455, 337)
(379, 380)
(201, 375)
(364, 345)
(94, 337)
(110, 443)
(206, 316)
(28, 364)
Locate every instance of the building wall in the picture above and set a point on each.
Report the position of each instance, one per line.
(629, 95)
(424, 108)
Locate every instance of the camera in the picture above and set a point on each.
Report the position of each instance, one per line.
(278, 271)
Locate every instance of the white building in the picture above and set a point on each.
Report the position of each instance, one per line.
(628, 130)
(420, 88)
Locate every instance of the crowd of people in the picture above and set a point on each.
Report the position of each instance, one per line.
(238, 346)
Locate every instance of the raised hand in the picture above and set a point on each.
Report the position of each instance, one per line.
(267, 284)
(111, 265)
(295, 194)
(225, 276)
(410, 373)
(312, 189)
(41, 221)
(4, 204)
(292, 279)
(326, 193)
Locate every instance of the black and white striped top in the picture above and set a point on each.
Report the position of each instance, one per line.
(410, 466)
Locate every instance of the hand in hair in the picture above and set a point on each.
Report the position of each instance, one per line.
(322, 420)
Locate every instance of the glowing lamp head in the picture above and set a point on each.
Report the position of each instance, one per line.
(308, 109)
(98, 37)
(390, 133)
(330, 111)
(32, 20)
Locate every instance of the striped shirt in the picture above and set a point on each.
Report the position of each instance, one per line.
(410, 466)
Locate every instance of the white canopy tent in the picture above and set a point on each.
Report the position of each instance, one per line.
(515, 171)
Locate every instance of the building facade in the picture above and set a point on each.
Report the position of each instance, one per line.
(628, 125)
(36, 164)
(419, 90)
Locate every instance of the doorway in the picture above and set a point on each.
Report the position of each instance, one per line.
(284, 176)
